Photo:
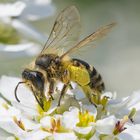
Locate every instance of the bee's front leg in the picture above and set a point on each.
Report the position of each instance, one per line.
(63, 91)
(51, 88)
(65, 78)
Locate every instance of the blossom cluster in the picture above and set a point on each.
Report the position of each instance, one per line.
(75, 119)
(17, 34)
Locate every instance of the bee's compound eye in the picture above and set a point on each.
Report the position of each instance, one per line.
(26, 74)
(57, 60)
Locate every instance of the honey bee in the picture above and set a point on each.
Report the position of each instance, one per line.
(55, 64)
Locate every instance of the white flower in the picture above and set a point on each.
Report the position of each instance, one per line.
(124, 106)
(37, 9)
(64, 136)
(106, 125)
(12, 9)
(72, 120)
(16, 27)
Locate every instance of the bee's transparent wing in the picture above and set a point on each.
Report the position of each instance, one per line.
(89, 39)
(65, 31)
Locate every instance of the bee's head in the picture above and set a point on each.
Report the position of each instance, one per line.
(46, 61)
(35, 80)
(35, 77)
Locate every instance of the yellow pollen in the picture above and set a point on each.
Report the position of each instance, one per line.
(85, 119)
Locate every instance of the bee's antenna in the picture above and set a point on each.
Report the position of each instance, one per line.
(16, 90)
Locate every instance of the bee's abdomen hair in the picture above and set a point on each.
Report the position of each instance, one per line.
(96, 81)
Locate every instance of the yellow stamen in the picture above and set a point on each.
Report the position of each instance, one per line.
(5, 105)
(85, 119)
(56, 127)
(19, 123)
(46, 106)
(120, 125)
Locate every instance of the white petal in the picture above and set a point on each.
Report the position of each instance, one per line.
(94, 138)
(46, 122)
(66, 103)
(38, 9)
(114, 106)
(34, 135)
(3, 134)
(7, 87)
(83, 130)
(79, 93)
(137, 117)
(70, 118)
(29, 111)
(29, 125)
(10, 112)
(10, 126)
(14, 9)
(110, 95)
(135, 98)
(64, 136)
(28, 32)
(131, 133)
(13, 111)
(91, 108)
(11, 138)
(18, 47)
(106, 126)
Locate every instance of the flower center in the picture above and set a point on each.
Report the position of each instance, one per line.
(56, 127)
(85, 119)
(119, 127)
(19, 123)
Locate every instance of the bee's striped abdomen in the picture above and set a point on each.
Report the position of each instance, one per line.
(96, 81)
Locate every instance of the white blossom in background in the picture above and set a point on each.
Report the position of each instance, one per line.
(11, 10)
(73, 120)
(15, 16)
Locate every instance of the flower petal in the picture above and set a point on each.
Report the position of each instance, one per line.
(7, 87)
(131, 133)
(70, 118)
(10, 126)
(34, 135)
(64, 136)
(12, 10)
(106, 125)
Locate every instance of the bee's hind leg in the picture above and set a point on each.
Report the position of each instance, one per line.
(90, 94)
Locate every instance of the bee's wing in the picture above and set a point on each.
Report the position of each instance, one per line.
(86, 41)
(65, 30)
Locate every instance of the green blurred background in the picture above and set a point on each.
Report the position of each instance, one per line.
(116, 57)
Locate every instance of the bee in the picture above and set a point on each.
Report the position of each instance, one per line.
(55, 64)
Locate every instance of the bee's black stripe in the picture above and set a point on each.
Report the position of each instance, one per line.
(82, 62)
(93, 72)
(95, 78)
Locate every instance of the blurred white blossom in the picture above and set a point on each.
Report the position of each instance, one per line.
(11, 9)
(16, 31)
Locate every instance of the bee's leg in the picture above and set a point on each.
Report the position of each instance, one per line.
(89, 93)
(63, 91)
(51, 88)
(35, 95)
(70, 86)
(65, 78)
